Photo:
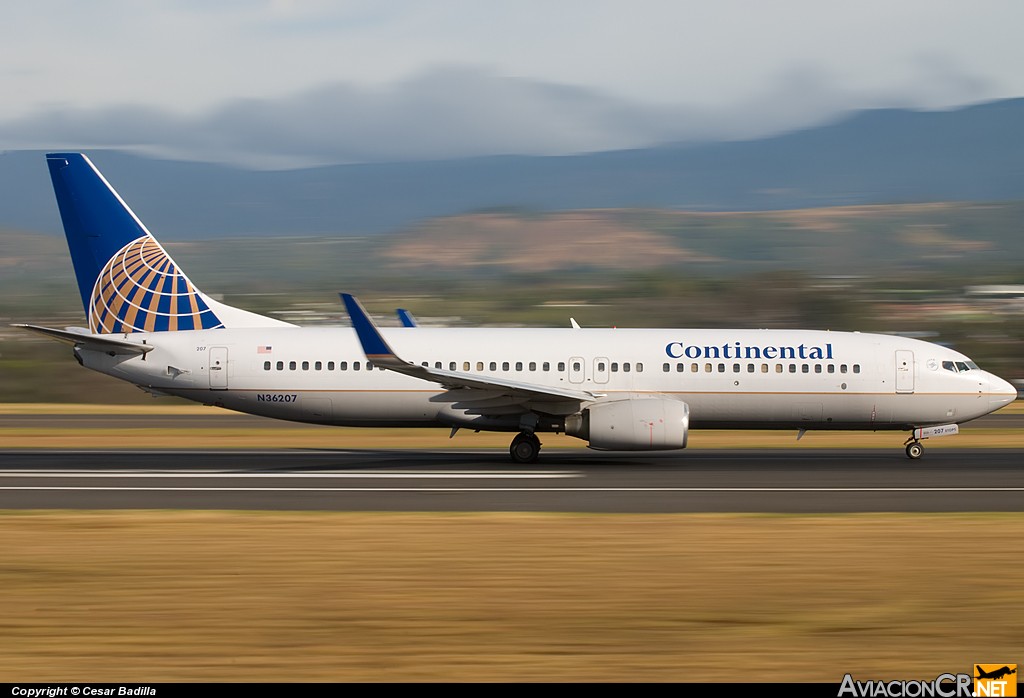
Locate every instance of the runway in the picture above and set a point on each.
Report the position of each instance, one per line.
(775, 481)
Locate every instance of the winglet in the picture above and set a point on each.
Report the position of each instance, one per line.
(406, 317)
(381, 354)
(374, 345)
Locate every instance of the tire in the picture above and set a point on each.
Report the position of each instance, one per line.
(915, 450)
(525, 448)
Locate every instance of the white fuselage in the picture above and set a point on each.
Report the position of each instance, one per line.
(729, 378)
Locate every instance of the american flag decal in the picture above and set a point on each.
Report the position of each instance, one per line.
(264, 349)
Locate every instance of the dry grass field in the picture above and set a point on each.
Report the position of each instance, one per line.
(161, 596)
(270, 596)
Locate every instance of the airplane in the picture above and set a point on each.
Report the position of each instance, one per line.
(997, 674)
(614, 388)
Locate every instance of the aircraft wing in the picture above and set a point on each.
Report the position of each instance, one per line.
(381, 354)
(104, 343)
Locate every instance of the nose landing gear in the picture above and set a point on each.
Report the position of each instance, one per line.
(913, 444)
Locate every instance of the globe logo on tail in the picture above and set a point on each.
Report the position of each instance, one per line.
(140, 289)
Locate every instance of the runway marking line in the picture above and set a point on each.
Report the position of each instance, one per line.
(361, 475)
(534, 490)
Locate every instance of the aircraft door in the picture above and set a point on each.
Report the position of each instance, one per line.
(904, 371)
(576, 370)
(601, 370)
(219, 368)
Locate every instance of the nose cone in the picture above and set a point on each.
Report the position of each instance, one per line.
(1003, 392)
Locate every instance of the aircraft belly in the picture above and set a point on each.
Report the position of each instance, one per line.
(819, 410)
(350, 407)
(383, 406)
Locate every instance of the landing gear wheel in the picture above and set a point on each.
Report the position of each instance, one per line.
(525, 448)
(915, 450)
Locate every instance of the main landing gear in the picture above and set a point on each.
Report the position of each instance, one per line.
(525, 447)
(914, 448)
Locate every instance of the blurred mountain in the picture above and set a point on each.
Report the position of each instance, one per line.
(875, 157)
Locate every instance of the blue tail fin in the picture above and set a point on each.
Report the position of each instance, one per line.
(127, 280)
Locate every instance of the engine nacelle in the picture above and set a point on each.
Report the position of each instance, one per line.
(638, 424)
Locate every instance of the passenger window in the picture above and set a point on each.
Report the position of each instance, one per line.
(764, 368)
(546, 366)
(721, 368)
(750, 368)
(615, 367)
(369, 366)
(533, 366)
(680, 368)
(735, 368)
(831, 368)
(665, 368)
(561, 366)
(856, 368)
(266, 365)
(330, 365)
(792, 368)
(601, 366)
(805, 368)
(639, 368)
(494, 365)
(625, 367)
(842, 368)
(343, 366)
(305, 365)
(708, 368)
(519, 365)
(817, 368)
(280, 365)
(292, 365)
(319, 365)
(504, 365)
(778, 368)
(355, 365)
(452, 365)
(437, 364)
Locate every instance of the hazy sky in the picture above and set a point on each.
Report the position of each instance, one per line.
(285, 82)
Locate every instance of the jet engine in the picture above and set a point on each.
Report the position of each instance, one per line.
(637, 424)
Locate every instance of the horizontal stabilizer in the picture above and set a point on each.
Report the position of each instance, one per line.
(92, 342)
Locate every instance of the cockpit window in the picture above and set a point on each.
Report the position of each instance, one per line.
(949, 366)
(959, 366)
(962, 366)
